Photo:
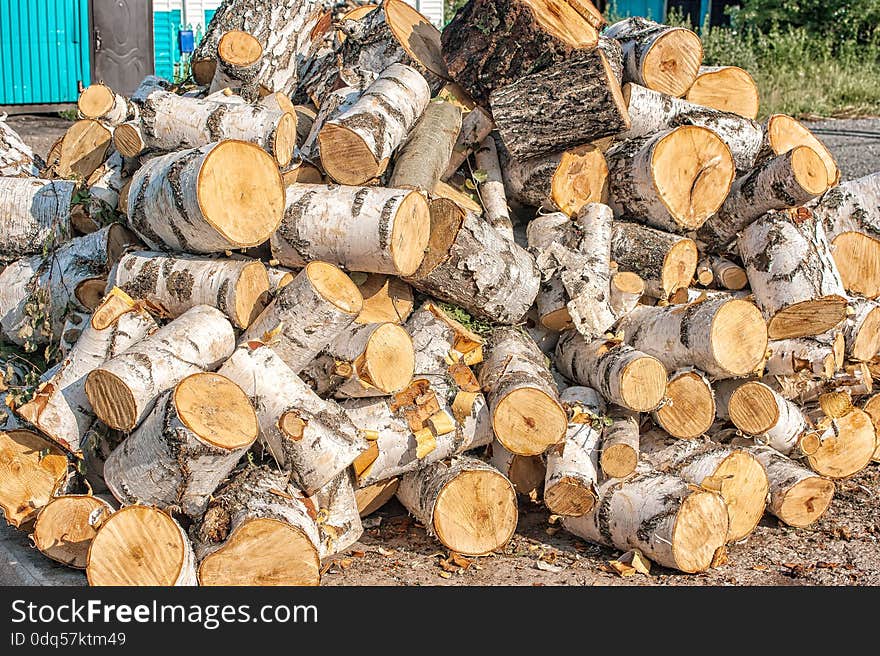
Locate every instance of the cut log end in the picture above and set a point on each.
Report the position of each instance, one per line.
(643, 383)
(346, 157)
(738, 337)
(32, 469)
(569, 498)
(679, 266)
(753, 408)
(239, 48)
(334, 286)
(857, 257)
(673, 62)
(867, 342)
(476, 512)
(240, 192)
(728, 89)
(112, 400)
(580, 178)
(693, 171)
(411, 232)
(557, 320)
(526, 473)
(128, 140)
(701, 527)
(628, 282)
(806, 501)
(809, 170)
(217, 410)
(386, 298)
(785, 133)
(96, 100)
(847, 451)
(744, 486)
(263, 552)
(618, 460)
(812, 317)
(66, 527)
(527, 421)
(388, 359)
(691, 408)
(251, 294)
(418, 37)
(137, 545)
(285, 139)
(371, 498)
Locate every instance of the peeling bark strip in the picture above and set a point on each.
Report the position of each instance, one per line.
(258, 515)
(798, 496)
(726, 88)
(571, 103)
(171, 285)
(185, 447)
(491, 43)
(659, 57)
(468, 505)
(71, 278)
(783, 182)
(792, 275)
(734, 473)
(476, 125)
(373, 229)
(573, 464)
(670, 521)
(652, 111)
(281, 27)
(101, 103)
(141, 545)
(307, 314)
(339, 521)
(124, 389)
(473, 265)
(170, 122)
(665, 261)
(176, 201)
(850, 214)
(16, 157)
(425, 155)
(526, 414)
(756, 409)
(311, 438)
(357, 145)
(647, 180)
(619, 452)
(34, 213)
(564, 181)
(370, 360)
(723, 336)
(621, 374)
(60, 407)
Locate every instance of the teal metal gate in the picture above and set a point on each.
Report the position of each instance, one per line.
(44, 50)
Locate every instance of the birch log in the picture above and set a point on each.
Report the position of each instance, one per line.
(782, 133)
(872, 407)
(840, 446)
(473, 265)
(335, 104)
(82, 149)
(621, 374)
(357, 144)
(425, 155)
(185, 447)
(311, 438)
(861, 331)
(140, 545)
(70, 278)
(338, 517)
(34, 214)
(32, 471)
(665, 261)
(16, 157)
(787, 181)
(850, 214)
(65, 528)
(792, 275)
(468, 505)
(373, 229)
(734, 473)
(726, 88)
(101, 103)
(259, 518)
(476, 125)
(728, 274)
(386, 299)
(674, 180)
(525, 473)
(657, 56)
(568, 104)
(818, 355)
(172, 284)
(60, 407)
(307, 314)
(522, 396)
(722, 336)
(177, 202)
(619, 452)
(673, 523)
(105, 186)
(758, 410)
(123, 390)
(564, 181)
(372, 497)
(492, 194)
(688, 410)
(573, 464)
(627, 288)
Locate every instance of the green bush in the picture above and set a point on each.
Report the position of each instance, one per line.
(844, 20)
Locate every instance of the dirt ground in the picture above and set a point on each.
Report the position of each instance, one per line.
(843, 548)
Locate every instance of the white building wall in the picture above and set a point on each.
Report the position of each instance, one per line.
(430, 9)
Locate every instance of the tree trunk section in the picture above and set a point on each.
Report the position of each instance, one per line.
(818, 355)
(65, 528)
(729, 275)
(339, 520)
(757, 410)
(619, 453)
(32, 471)
(526, 473)
(36, 214)
(492, 194)
(861, 331)
(425, 155)
(688, 410)
(101, 103)
(727, 89)
(665, 261)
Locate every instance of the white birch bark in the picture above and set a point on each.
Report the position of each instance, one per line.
(34, 214)
(665, 261)
(476, 126)
(16, 157)
(819, 355)
(339, 521)
(492, 192)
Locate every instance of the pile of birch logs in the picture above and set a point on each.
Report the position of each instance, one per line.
(356, 258)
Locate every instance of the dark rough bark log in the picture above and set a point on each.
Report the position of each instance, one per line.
(471, 264)
(491, 43)
(569, 104)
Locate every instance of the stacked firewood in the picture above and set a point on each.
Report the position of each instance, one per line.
(529, 255)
